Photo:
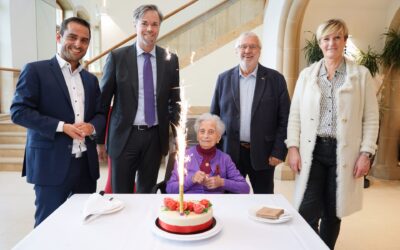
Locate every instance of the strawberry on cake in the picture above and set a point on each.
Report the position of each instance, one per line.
(197, 216)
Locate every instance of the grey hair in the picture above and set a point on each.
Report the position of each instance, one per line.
(139, 12)
(247, 34)
(210, 117)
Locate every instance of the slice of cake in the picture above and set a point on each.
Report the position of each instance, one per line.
(197, 216)
(269, 213)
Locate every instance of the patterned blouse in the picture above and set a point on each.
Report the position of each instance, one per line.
(329, 90)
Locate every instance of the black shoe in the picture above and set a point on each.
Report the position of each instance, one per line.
(366, 182)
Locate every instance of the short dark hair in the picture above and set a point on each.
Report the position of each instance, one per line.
(64, 24)
(139, 11)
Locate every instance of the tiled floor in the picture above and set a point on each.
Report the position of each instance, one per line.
(377, 226)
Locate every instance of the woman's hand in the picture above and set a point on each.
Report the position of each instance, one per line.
(294, 159)
(214, 182)
(362, 166)
(199, 177)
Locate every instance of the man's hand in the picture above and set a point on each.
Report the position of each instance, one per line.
(362, 166)
(72, 131)
(214, 182)
(86, 128)
(101, 151)
(272, 161)
(294, 159)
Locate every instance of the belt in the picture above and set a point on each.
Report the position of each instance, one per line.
(143, 127)
(326, 140)
(246, 145)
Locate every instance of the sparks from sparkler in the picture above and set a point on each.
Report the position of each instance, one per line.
(168, 57)
(181, 134)
(192, 57)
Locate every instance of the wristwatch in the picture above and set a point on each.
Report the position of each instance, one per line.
(367, 154)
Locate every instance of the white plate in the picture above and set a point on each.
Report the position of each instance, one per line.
(187, 237)
(283, 218)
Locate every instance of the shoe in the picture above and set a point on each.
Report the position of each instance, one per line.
(366, 182)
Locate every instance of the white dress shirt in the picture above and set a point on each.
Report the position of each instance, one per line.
(77, 95)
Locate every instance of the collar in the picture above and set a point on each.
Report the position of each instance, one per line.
(206, 153)
(340, 70)
(64, 64)
(140, 51)
(253, 73)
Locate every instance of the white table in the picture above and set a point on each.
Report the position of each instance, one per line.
(131, 228)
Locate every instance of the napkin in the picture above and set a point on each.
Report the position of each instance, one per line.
(98, 204)
(269, 213)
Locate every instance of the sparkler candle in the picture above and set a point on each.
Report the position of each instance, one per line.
(168, 57)
(192, 57)
(181, 141)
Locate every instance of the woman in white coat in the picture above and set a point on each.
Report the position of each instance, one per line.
(332, 132)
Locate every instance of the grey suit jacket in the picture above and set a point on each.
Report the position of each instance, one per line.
(120, 81)
(269, 115)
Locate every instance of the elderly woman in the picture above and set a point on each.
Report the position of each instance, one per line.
(209, 169)
(332, 132)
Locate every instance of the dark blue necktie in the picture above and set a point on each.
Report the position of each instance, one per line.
(148, 89)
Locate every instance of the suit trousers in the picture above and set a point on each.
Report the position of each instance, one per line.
(141, 154)
(319, 202)
(77, 181)
(262, 181)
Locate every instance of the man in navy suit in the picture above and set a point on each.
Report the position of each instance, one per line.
(59, 103)
(145, 105)
(253, 102)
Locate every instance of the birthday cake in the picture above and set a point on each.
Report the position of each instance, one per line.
(197, 216)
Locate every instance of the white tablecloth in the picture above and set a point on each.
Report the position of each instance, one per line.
(131, 228)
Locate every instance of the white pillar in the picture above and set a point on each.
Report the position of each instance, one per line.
(275, 17)
(27, 34)
(273, 34)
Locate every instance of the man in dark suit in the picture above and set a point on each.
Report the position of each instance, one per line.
(143, 79)
(59, 102)
(253, 102)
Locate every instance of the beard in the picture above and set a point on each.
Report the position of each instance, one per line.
(71, 57)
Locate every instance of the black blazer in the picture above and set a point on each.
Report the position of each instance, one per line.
(269, 115)
(120, 81)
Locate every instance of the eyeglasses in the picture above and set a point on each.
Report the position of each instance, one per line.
(250, 46)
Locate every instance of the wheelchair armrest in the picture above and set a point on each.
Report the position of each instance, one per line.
(162, 186)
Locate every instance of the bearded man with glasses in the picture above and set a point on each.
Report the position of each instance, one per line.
(253, 102)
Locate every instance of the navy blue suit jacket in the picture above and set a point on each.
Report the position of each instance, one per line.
(269, 115)
(41, 101)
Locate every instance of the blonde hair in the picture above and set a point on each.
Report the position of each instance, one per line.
(332, 26)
